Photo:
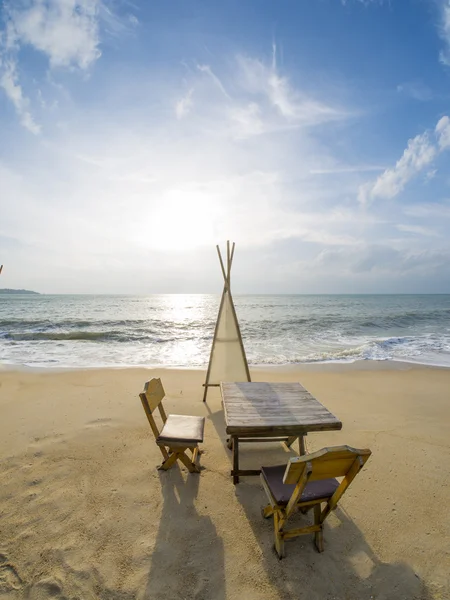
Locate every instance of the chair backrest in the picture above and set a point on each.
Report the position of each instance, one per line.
(325, 463)
(340, 461)
(151, 399)
(154, 393)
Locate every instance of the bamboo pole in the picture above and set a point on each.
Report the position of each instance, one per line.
(241, 343)
(232, 254)
(206, 384)
(221, 264)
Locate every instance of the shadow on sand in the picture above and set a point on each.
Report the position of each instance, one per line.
(348, 569)
(176, 573)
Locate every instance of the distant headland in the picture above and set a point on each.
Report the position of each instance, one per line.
(10, 291)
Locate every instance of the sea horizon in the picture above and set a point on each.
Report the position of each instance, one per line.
(235, 294)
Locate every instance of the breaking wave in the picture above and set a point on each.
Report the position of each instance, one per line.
(177, 330)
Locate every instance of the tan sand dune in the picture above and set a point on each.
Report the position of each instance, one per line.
(85, 514)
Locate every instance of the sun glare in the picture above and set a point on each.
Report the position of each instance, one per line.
(182, 222)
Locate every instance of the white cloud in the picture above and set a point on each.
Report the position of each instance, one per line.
(13, 90)
(430, 209)
(255, 100)
(133, 20)
(416, 90)
(346, 169)
(247, 120)
(418, 229)
(184, 105)
(365, 2)
(420, 152)
(292, 104)
(376, 260)
(207, 69)
(66, 31)
(444, 32)
(443, 132)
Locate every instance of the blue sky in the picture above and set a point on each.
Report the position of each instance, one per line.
(134, 136)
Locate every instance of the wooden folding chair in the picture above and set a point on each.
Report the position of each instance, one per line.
(179, 432)
(307, 482)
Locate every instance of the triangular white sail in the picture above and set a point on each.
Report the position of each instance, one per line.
(227, 361)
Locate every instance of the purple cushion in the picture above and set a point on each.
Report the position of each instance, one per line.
(282, 492)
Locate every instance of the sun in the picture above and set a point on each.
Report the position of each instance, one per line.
(182, 221)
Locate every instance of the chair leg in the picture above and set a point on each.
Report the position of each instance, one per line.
(195, 453)
(164, 452)
(267, 511)
(191, 467)
(318, 536)
(169, 462)
(279, 541)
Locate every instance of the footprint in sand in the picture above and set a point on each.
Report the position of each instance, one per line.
(99, 422)
(9, 577)
(46, 588)
(45, 440)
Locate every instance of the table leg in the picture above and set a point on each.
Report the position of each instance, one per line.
(290, 440)
(301, 445)
(235, 460)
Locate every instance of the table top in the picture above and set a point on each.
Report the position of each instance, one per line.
(273, 408)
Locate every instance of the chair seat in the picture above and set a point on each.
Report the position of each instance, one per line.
(282, 492)
(182, 428)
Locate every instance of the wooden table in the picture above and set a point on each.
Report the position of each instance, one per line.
(269, 412)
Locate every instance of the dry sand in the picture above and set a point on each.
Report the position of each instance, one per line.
(85, 514)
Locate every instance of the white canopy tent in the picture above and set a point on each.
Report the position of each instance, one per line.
(227, 361)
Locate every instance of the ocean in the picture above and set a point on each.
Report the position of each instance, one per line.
(176, 330)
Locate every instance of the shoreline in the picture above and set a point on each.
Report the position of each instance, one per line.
(326, 366)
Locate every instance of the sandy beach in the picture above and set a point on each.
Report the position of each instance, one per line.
(84, 513)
